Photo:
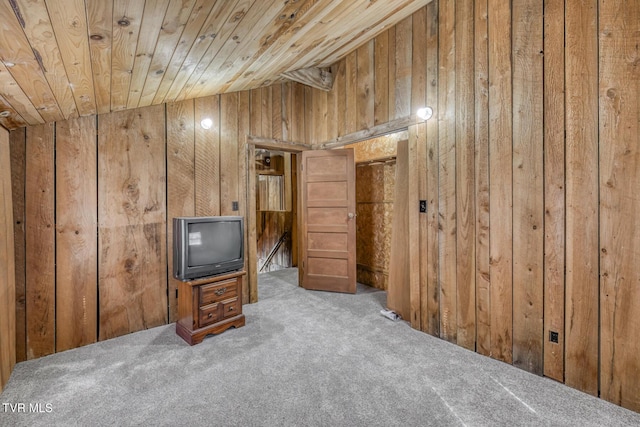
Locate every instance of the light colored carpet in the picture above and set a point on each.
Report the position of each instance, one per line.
(303, 358)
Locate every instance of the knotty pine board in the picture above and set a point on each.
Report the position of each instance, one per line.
(17, 141)
(447, 173)
(365, 101)
(40, 241)
(398, 292)
(7, 267)
(76, 239)
(581, 180)
(403, 68)
(228, 153)
(619, 27)
(431, 295)
(180, 180)
(100, 23)
(528, 186)
(554, 191)
(381, 79)
(132, 221)
(464, 178)
(500, 178)
(481, 142)
(207, 160)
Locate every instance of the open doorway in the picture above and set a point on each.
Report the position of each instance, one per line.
(376, 159)
(375, 194)
(276, 210)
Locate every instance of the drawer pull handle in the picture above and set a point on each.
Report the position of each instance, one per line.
(210, 315)
(230, 308)
(220, 291)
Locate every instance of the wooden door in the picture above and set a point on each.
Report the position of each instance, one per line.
(328, 221)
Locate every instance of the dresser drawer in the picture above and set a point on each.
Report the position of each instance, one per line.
(209, 314)
(230, 308)
(218, 291)
(215, 312)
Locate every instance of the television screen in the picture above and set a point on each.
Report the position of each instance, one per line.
(214, 242)
(207, 246)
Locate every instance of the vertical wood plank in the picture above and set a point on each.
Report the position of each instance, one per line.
(17, 142)
(76, 237)
(465, 176)
(333, 111)
(286, 100)
(228, 152)
(7, 265)
(40, 241)
(132, 221)
(554, 200)
(266, 111)
(418, 60)
(319, 115)
(244, 125)
(309, 116)
(276, 111)
(381, 78)
(252, 237)
(528, 186)
(403, 57)
(256, 112)
(500, 177)
(432, 294)
(294, 209)
(340, 91)
(180, 180)
(392, 72)
(483, 282)
(417, 135)
(365, 102)
(351, 94)
(207, 151)
(298, 113)
(619, 25)
(399, 290)
(582, 282)
(447, 171)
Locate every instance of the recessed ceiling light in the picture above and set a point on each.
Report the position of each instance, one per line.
(9, 64)
(5, 113)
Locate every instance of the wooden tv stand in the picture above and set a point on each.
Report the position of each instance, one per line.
(209, 306)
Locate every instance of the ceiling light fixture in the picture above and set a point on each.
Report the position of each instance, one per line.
(424, 113)
(206, 123)
(5, 113)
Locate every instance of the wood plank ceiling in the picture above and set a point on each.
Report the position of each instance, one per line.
(64, 58)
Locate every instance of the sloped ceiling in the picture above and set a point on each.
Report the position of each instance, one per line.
(64, 58)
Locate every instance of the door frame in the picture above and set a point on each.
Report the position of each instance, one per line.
(251, 251)
(417, 140)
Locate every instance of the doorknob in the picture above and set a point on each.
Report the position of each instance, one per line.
(352, 215)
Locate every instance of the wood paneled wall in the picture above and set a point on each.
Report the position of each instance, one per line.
(94, 199)
(7, 270)
(530, 167)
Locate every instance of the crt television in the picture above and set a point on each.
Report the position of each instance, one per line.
(207, 246)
